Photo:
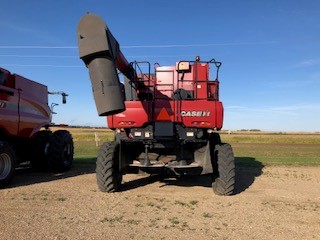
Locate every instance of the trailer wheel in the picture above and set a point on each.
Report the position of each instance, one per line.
(60, 151)
(7, 163)
(224, 181)
(109, 177)
(39, 160)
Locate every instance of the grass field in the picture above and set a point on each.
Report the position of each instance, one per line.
(249, 148)
(276, 149)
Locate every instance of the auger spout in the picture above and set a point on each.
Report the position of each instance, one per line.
(100, 51)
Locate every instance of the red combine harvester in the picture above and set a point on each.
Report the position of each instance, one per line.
(165, 122)
(25, 135)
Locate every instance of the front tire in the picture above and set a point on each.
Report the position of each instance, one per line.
(7, 163)
(60, 151)
(109, 177)
(224, 176)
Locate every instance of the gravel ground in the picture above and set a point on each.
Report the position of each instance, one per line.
(270, 203)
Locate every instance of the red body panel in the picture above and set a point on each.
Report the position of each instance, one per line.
(202, 110)
(23, 105)
(135, 115)
(200, 114)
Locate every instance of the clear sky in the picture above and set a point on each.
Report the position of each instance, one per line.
(270, 50)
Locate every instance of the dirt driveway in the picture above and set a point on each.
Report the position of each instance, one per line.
(270, 203)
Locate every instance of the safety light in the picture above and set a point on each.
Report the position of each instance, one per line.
(126, 123)
(190, 134)
(137, 134)
(202, 123)
(147, 134)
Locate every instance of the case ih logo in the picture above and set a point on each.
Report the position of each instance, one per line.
(195, 113)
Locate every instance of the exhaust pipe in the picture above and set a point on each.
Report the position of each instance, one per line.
(99, 50)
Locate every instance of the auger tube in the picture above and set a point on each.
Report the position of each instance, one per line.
(100, 51)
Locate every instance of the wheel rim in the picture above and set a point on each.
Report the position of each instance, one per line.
(5, 165)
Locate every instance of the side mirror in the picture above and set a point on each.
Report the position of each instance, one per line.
(63, 94)
(64, 98)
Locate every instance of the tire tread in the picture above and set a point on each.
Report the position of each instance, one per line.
(108, 175)
(224, 183)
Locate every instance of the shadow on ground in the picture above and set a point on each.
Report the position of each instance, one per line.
(247, 169)
(144, 180)
(25, 175)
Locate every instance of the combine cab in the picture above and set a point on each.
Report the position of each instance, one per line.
(166, 122)
(25, 135)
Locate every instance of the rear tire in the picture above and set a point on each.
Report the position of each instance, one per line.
(224, 179)
(7, 163)
(60, 151)
(39, 159)
(109, 177)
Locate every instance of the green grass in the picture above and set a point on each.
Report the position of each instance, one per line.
(193, 202)
(207, 215)
(85, 149)
(85, 153)
(250, 149)
(278, 154)
(88, 134)
(273, 138)
(275, 149)
(112, 219)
